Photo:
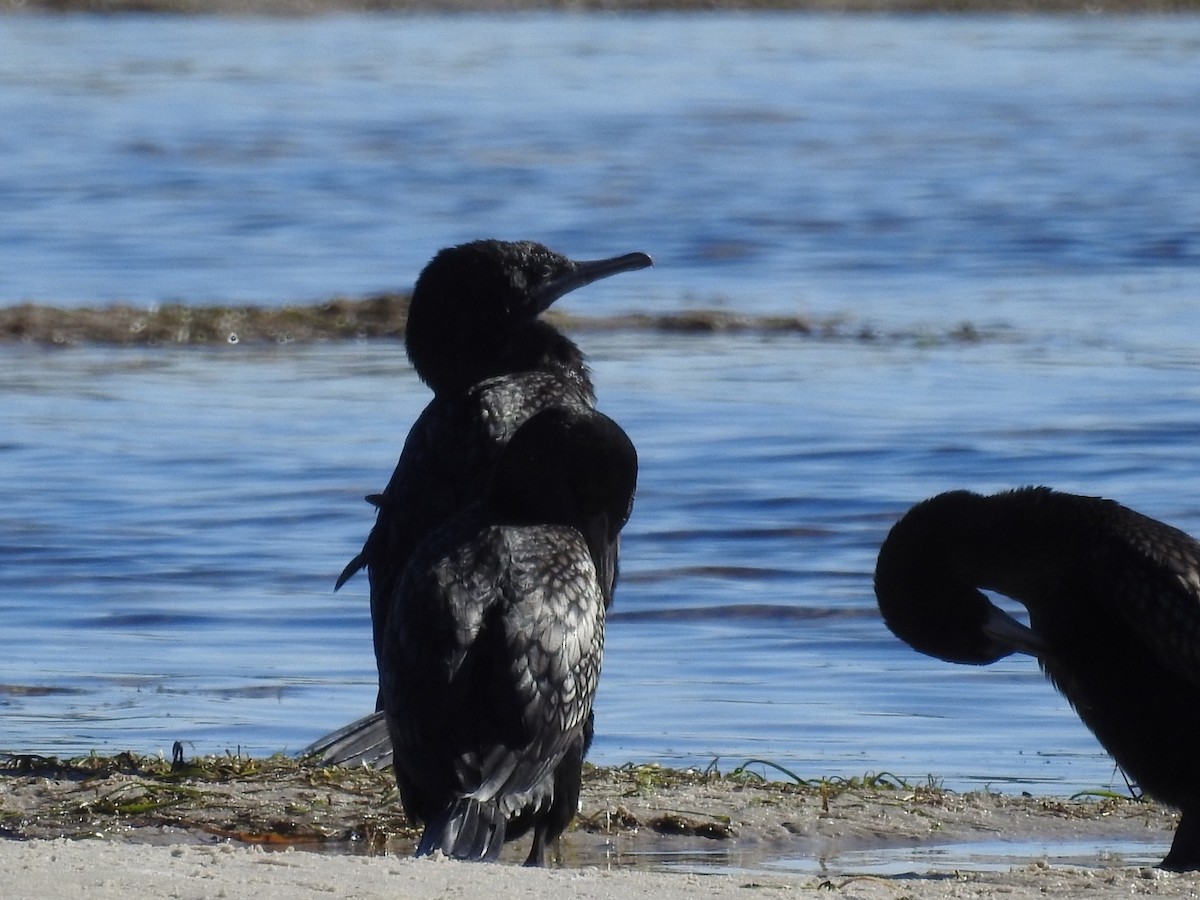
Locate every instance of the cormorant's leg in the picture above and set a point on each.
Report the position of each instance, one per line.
(537, 853)
(1185, 849)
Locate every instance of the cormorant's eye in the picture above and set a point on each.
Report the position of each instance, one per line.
(544, 272)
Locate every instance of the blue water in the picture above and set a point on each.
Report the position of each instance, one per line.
(174, 519)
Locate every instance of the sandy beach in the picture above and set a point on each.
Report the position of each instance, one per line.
(102, 870)
(239, 828)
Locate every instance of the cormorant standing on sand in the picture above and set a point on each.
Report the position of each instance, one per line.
(474, 336)
(492, 648)
(1114, 619)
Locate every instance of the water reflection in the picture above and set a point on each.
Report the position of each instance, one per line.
(981, 856)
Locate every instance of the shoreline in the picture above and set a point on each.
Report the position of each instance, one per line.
(284, 801)
(105, 826)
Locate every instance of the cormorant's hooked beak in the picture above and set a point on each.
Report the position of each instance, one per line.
(583, 273)
(1012, 636)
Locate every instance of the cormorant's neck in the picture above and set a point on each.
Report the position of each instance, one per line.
(457, 362)
(539, 347)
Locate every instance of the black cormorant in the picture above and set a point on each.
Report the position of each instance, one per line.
(1114, 618)
(474, 336)
(492, 648)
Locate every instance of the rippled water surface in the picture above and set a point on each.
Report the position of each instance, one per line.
(174, 518)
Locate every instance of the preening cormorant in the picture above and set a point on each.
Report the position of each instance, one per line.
(1114, 619)
(474, 336)
(493, 644)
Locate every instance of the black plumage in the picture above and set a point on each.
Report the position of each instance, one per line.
(1114, 618)
(492, 649)
(474, 336)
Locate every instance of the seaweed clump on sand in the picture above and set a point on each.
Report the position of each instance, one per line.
(179, 324)
(626, 812)
(275, 801)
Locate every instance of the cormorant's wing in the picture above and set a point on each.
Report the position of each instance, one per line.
(542, 666)
(1151, 573)
(445, 466)
(489, 670)
(524, 685)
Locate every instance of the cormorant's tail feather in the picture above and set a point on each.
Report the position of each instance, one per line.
(470, 829)
(365, 742)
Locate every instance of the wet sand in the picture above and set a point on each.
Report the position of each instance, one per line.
(240, 828)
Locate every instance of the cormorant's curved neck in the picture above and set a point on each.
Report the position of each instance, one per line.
(937, 560)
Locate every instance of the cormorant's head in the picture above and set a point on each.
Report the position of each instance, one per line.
(925, 589)
(474, 310)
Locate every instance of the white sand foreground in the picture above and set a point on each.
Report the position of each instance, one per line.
(100, 870)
